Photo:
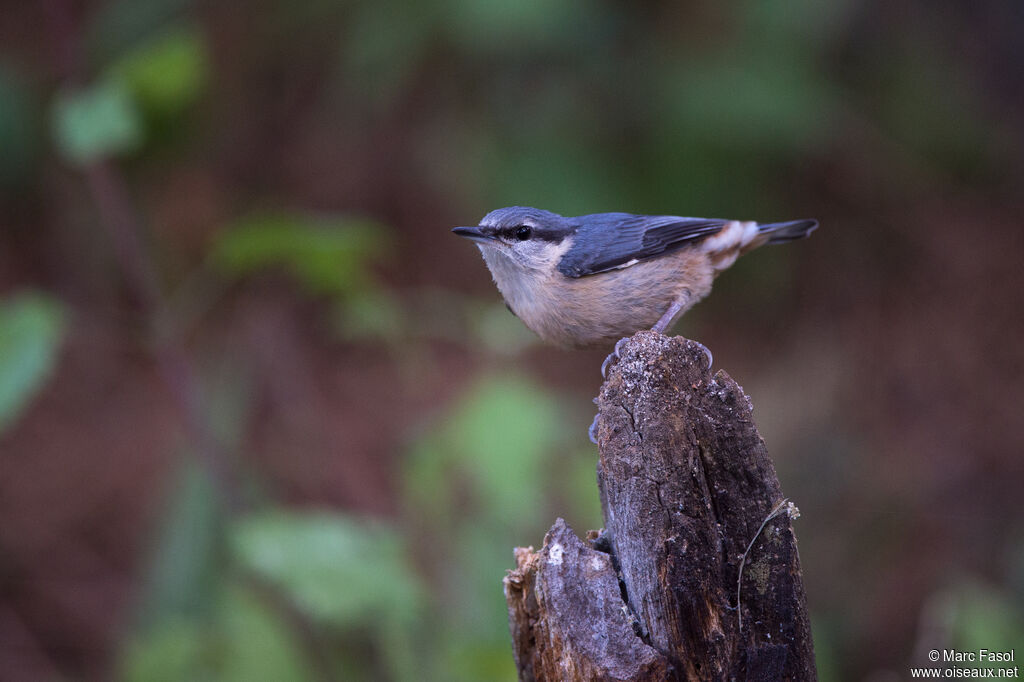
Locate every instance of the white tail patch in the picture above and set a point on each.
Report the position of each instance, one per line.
(733, 236)
(728, 243)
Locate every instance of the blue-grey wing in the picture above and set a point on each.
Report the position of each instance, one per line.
(613, 240)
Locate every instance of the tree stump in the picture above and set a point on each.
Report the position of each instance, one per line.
(696, 575)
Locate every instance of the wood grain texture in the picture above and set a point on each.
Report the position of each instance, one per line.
(567, 617)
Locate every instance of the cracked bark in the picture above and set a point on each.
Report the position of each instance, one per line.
(686, 486)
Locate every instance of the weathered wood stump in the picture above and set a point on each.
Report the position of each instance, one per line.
(696, 575)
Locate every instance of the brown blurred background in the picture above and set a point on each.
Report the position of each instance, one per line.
(263, 417)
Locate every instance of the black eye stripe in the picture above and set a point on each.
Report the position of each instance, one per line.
(523, 232)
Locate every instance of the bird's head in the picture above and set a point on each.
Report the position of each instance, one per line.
(530, 238)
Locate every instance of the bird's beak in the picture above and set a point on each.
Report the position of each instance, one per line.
(473, 233)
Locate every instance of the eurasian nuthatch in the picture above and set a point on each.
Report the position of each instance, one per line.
(591, 279)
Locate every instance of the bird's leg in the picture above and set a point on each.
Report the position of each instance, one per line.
(661, 325)
(677, 305)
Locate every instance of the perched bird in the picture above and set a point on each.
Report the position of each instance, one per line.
(589, 280)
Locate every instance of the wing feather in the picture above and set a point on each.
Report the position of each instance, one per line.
(606, 241)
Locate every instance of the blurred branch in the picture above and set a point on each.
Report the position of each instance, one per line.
(110, 194)
(689, 497)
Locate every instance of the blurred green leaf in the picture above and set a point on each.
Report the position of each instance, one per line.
(372, 315)
(242, 641)
(96, 122)
(31, 329)
(259, 643)
(476, 484)
(503, 431)
(167, 73)
(19, 133)
(327, 255)
(984, 618)
(581, 493)
(171, 651)
(468, 658)
(186, 565)
(825, 650)
(335, 568)
(499, 434)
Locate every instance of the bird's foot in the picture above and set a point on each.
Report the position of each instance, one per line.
(592, 431)
(707, 353)
(612, 357)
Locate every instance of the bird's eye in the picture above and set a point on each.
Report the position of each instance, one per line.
(522, 233)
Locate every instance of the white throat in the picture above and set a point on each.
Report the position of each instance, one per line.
(522, 284)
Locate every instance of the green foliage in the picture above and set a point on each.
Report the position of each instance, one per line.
(166, 74)
(346, 573)
(157, 80)
(336, 568)
(187, 561)
(197, 621)
(174, 650)
(826, 659)
(259, 644)
(31, 328)
(97, 121)
(348, 576)
(326, 255)
(477, 485)
(983, 618)
(499, 435)
(374, 314)
(580, 496)
(242, 640)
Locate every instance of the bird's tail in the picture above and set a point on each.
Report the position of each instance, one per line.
(780, 233)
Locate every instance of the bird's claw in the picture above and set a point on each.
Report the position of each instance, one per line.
(707, 353)
(607, 363)
(592, 431)
(619, 344)
(612, 357)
